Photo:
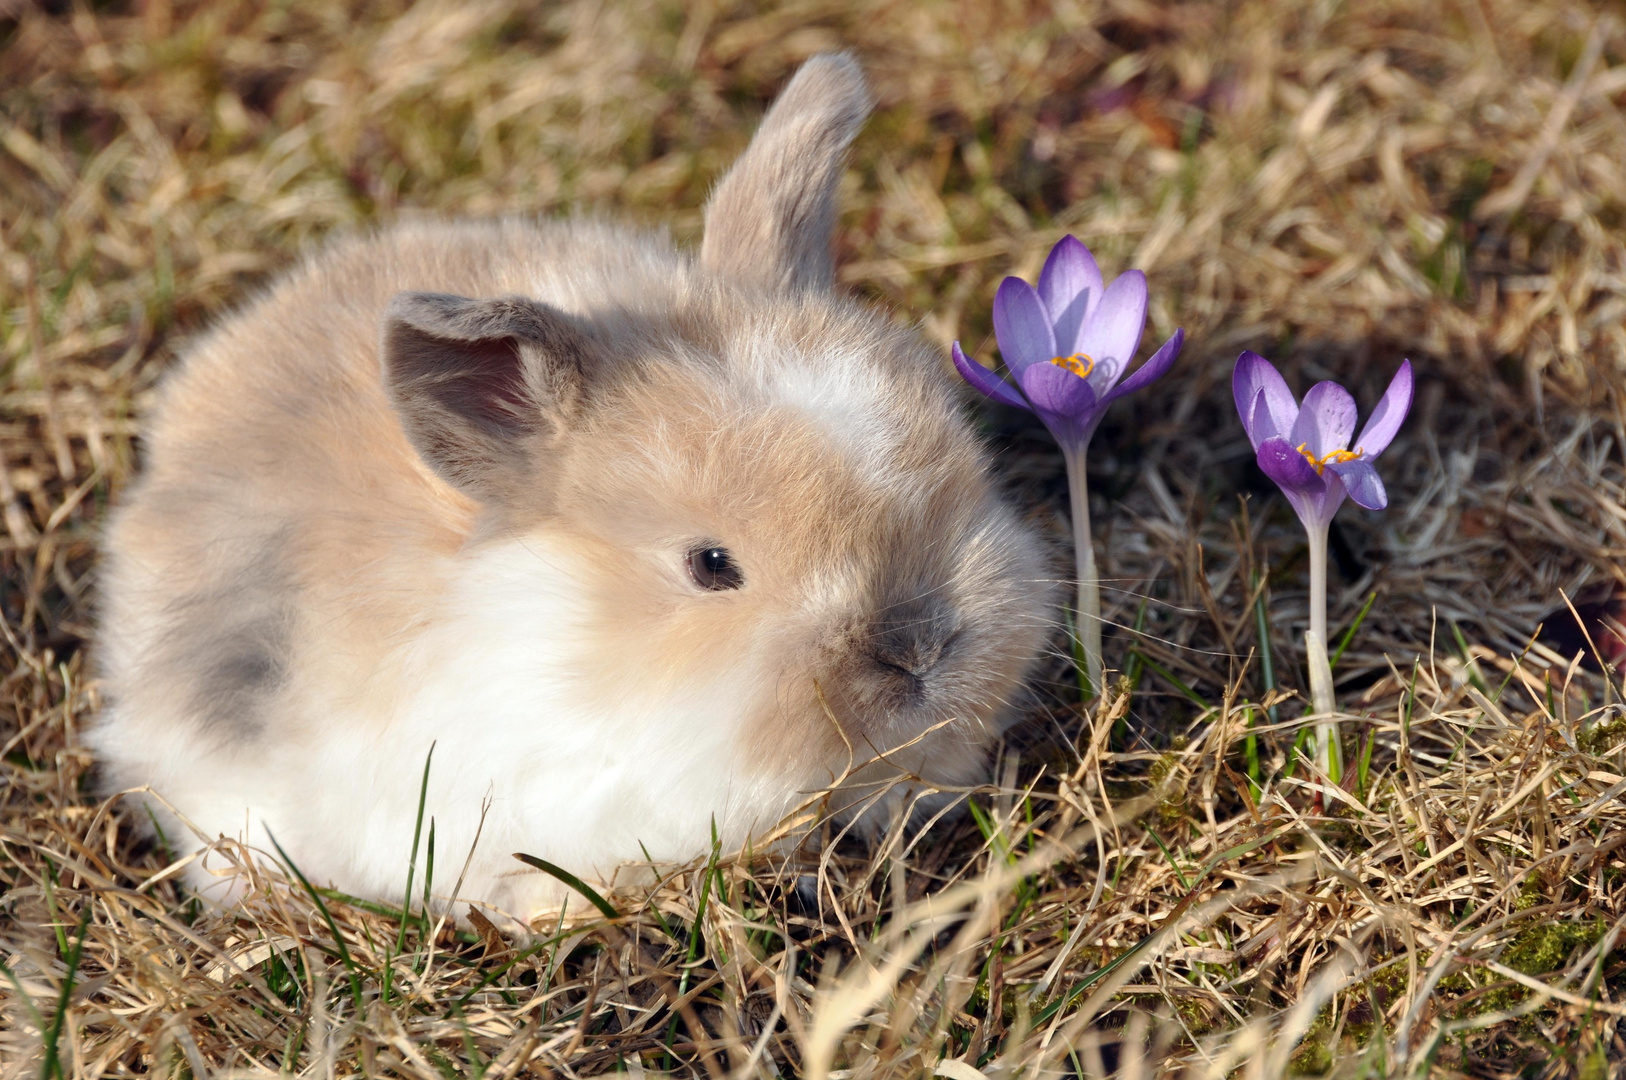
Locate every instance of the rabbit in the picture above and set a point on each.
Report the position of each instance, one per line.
(644, 544)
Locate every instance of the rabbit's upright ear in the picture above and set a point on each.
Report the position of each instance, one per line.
(770, 220)
(481, 384)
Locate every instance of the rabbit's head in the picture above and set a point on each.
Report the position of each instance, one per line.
(766, 496)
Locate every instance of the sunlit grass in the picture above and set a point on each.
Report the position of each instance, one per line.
(1147, 884)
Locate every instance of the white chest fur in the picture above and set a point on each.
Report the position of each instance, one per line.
(562, 769)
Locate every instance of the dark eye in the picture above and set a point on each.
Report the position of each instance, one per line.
(714, 569)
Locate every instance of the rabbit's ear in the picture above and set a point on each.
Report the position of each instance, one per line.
(480, 384)
(770, 220)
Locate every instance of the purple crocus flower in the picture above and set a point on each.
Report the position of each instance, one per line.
(1069, 343)
(1306, 449)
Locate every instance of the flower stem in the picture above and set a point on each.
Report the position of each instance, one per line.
(1329, 758)
(1088, 617)
(1318, 583)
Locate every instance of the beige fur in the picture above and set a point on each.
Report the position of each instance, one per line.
(476, 533)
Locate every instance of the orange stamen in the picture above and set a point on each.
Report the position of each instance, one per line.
(1331, 457)
(1079, 364)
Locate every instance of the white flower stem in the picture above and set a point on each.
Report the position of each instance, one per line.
(1087, 615)
(1328, 752)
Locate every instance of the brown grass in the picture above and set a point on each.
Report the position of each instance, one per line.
(1336, 185)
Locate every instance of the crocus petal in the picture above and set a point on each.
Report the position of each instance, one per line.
(1326, 420)
(1362, 481)
(1386, 418)
(986, 382)
(1112, 334)
(1151, 370)
(1070, 287)
(1022, 326)
(1066, 403)
(1254, 375)
(1285, 465)
(1259, 422)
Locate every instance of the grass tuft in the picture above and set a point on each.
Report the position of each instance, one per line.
(1149, 888)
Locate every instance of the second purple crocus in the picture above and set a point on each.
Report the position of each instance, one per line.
(1306, 449)
(1068, 345)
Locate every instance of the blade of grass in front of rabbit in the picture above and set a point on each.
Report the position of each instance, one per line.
(695, 931)
(507, 965)
(428, 871)
(327, 916)
(553, 958)
(428, 931)
(649, 902)
(719, 888)
(571, 880)
(412, 865)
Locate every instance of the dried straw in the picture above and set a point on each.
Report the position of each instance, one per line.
(1337, 186)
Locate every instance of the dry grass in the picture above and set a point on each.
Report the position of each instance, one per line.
(1335, 185)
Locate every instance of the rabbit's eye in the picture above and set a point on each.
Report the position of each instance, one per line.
(714, 569)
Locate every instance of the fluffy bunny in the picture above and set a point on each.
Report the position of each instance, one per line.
(640, 541)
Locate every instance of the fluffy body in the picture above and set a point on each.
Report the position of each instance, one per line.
(470, 530)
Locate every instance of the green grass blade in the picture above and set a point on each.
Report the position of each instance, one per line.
(49, 882)
(1297, 752)
(327, 916)
(520, 957)
(1349, 635)
(572, 880)
(53, 1037)
(1411, 699)
(1173, 680)
(1468, 660)
(1364, 769)
(1080, 664)
(666, 927)
(696, 932)
(1169, 855)
(389, 911)
(428, 870)
(1250, 744)
(990, 833)
(412, 866)
(1134, 664)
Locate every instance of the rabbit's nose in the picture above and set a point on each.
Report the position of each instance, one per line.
(911, 638)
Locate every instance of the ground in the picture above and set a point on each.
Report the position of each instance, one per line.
(1151, 883)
